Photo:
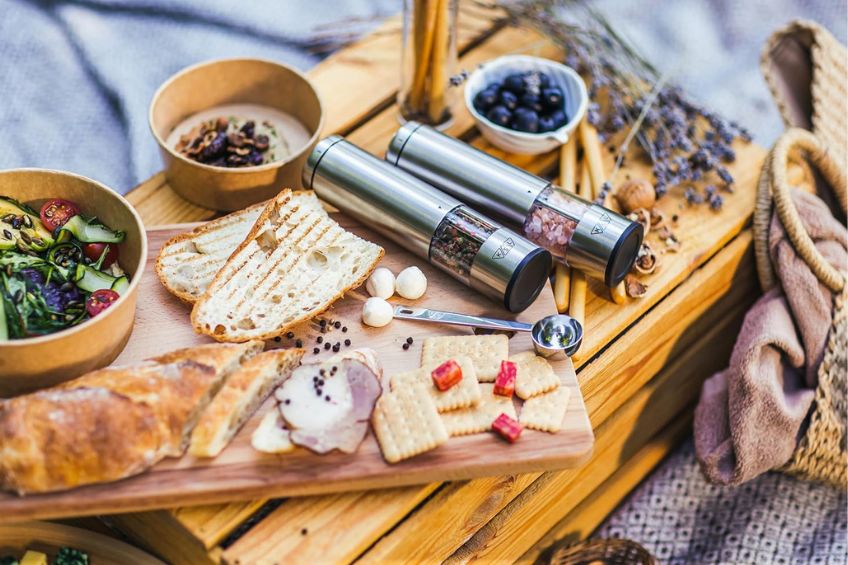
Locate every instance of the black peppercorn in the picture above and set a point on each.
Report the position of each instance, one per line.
(337, 325)
(409, 340)
(327, 346)
(320, 339)
(304, 531)
(315, 351)
(336, 348)
(405, 346)
(344, 329)
(278, 339)
(298, 343)
(347, 343)
(290, 335)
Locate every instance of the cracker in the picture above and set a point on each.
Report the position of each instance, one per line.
(545, 412)
(407, 423)
(462, 395)
(485, 351)
(534, 375)
(479, 418)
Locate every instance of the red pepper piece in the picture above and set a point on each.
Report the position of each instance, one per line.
(446, 375)
(507, 428)
(505, 381)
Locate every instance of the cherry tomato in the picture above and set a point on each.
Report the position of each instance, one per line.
(57, 212)
(100, 300)
(94, 250)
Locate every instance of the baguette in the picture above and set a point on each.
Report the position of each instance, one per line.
(241, 395)
(189, 261)
(294, 264)
(111, 423)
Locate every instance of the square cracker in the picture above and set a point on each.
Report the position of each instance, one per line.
(462, 395)
(407, 423)
(479, 418)
(545, 412)
(534, 375)
(485, 351)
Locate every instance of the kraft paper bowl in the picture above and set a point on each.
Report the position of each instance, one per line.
(233, 81)
(32, 363)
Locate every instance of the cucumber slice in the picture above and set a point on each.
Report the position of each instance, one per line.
(88, 232)
(4, 328)
(90, 279)
(121, 285)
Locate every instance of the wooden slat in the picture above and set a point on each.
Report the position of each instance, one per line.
(591, 512)
(326, 529)
(424, 535)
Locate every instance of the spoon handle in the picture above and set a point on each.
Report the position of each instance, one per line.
(425, 315)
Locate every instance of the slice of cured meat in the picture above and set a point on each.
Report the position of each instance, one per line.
(328, 406)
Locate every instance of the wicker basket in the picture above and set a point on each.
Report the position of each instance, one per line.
(821, 454)
(602, 552)
(806, 69)
(807, 72)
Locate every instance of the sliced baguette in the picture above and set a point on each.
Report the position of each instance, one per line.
(188, 262)
(239, 398)
(294, 264)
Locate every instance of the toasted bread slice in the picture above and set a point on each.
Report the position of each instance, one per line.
(294, 264)
(239, 398)
(188, 262)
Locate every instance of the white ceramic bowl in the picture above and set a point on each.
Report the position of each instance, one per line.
(566, 78)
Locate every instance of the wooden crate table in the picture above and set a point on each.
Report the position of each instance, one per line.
(640, 367)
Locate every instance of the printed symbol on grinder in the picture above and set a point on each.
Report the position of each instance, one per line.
(601, 226)
(504, 249)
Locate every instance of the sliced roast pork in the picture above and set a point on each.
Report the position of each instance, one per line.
(328, 405)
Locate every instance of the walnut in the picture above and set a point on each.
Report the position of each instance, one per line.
(646, 261)
(657, 218)
(641, 216)
(634, 287)
(635, 194)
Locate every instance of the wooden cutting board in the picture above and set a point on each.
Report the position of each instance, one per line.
(241, 473)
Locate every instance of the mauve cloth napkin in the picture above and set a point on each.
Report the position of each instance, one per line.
(751, 415)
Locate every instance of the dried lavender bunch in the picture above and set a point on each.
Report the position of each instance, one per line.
(684, 141)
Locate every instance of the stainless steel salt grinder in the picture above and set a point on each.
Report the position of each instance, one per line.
(465, 244)
(589, 237)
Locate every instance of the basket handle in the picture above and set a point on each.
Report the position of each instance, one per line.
(774, 185)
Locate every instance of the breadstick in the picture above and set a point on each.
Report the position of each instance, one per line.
(577, 301)
(568, 165)
(438, 82)
(562, 287)
(618, 294)
(592, 155)
(425, 21)
(585, 188)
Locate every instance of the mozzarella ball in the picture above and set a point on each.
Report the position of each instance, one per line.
(377, 312)
(411, 283)
(381, 283)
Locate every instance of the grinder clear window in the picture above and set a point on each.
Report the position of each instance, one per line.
(457, 241)
(553, 218)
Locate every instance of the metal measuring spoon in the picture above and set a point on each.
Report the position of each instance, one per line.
(552, 335)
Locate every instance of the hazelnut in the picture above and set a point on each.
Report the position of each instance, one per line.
(635, 194)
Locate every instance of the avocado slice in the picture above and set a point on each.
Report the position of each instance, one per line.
(29, 231)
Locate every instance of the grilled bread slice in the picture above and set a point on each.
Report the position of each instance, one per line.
(293, 265)
(188, 262)
(239, 398)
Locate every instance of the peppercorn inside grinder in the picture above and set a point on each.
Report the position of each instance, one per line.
(468, 246)
(586, 236)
